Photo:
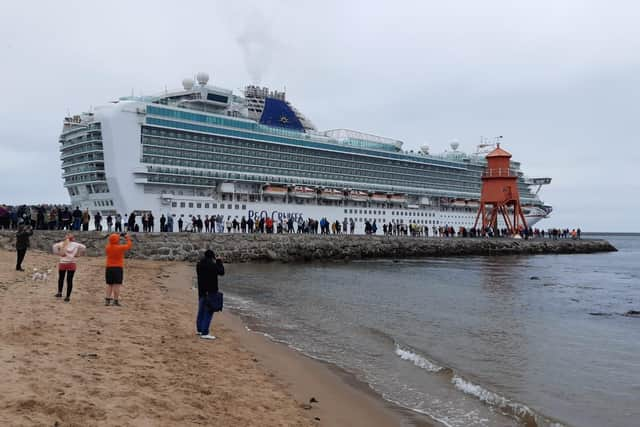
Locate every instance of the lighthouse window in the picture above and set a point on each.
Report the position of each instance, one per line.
(182, 204)
(198, 205)
(190, 205)
(214, 205)
(174, 204)
(206, 205)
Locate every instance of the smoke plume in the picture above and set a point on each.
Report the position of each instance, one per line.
(258, 46)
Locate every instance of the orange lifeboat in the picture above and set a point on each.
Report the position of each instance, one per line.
(358, 196)
(304, 192)
(274, 190)
(379, 197)
(331, 194)
(398, 198)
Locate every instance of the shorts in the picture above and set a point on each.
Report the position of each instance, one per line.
(114, 275)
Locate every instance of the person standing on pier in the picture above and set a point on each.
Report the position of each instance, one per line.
(114, 272)
(118, 226)
(77, 218)
(86, 217)
(208, 270)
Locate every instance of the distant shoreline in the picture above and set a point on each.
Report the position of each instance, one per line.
(610, 233)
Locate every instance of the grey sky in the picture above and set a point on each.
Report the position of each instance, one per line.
(560, 80)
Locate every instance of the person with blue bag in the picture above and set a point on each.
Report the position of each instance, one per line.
(209, 297)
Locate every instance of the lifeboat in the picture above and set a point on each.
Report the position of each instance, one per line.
(304, 192)
(465, 203)
(379, 197)
(274, 190)
(358, 196)
(331, 194)
(398, 198)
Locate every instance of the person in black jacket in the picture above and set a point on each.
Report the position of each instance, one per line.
(208, 270)
(22, 242)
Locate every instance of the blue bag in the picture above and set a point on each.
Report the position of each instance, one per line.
(215, 301)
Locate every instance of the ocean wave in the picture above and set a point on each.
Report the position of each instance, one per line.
(504, 405)
(418, 360)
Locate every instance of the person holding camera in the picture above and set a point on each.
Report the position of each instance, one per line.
(22, 242)
(209, 299)
(114, 272)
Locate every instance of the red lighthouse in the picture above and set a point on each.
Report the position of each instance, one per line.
(500, 190)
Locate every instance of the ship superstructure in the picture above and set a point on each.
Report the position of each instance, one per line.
(204, 150)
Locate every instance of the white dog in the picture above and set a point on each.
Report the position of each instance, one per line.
(40, 276)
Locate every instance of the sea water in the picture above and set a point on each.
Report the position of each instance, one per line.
(469, 341)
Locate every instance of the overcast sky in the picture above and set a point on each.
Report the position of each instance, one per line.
(560, 80)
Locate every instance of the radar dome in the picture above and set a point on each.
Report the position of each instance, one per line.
(187, 83)
(454, 145)
(425, 149)
(203, 78)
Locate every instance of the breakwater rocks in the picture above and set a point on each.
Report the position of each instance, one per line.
(308, 247)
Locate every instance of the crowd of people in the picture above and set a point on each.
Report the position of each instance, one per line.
(54, 217)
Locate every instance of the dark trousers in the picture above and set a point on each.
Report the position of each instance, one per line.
(203, 320)
(21, 254)
(61, 274)
(118, 227)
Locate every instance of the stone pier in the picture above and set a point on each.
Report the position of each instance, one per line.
(237, 248)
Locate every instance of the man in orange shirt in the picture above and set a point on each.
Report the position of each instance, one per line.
(115, 262)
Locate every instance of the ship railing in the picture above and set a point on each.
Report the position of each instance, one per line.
(499, 173)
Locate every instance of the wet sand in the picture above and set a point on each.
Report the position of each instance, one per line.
(84, 364)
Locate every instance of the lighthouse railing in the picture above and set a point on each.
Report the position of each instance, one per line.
(500, 173)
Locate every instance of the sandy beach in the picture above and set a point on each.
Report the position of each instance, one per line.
(84, 364)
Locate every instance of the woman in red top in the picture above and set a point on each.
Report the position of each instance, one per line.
(115, 262)
(69, 250)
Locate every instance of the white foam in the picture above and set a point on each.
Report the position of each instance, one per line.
(416, 359)
(490, 397)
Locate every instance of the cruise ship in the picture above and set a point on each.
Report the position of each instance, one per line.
(205, 150)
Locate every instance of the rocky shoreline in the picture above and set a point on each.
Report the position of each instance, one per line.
(238, 248)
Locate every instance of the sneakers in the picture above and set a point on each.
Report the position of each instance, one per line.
(198, 333)
(116, 303)
(107, 302)
(67, 299)
(207, 337)
(58, 295)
